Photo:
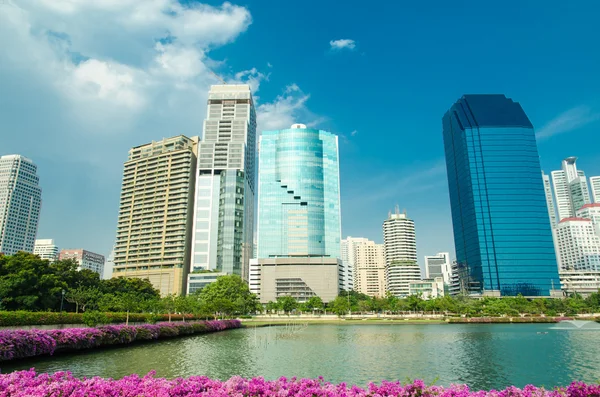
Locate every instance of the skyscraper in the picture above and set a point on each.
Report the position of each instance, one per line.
(570, 188)
(46, 249)
(549, 200)
(155, 215)
(20, 204)
(595, 184)
(369, 268)
(502, 231)
(226, 183)
(299, 230)
(348, 252)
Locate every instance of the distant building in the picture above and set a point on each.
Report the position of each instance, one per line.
(154, 228)
(578, 244)
(197, 281)
(348, 250)
(109, 265)
(428, 289)
(591, 212)
(369, 266)
(400, 275)
(570, 188)
(299, 227)
(500, 218)
(438, 266)
(582, 282)
(20, 204)
(85, 259)
(595, 184)
(46, 249)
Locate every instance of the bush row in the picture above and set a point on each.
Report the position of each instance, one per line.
(30, 384)
(24, 318)
(29, 343)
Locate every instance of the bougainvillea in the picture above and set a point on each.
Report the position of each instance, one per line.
(35, 342)
(30, 384)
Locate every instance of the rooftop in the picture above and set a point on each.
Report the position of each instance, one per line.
(575, 219)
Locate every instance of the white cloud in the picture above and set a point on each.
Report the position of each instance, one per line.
(252, 77)
(569, 120)
(353, 133)
(342, 43)
(287, 109)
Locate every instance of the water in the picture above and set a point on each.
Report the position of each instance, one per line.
(578, 325)
(483, 356)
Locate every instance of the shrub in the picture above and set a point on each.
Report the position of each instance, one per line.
(93, 318)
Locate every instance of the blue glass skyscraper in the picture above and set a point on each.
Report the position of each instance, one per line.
(299, 194)
(502, 232)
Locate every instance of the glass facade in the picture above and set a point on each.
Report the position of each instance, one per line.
(299, 194)
(501, 228)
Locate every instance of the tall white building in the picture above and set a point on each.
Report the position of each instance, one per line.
(570, 188)
(348, 252)
(368, 259)
(438, 266)
(400, 275)
(20, 204)
(595, 184)
(549, 200)
(46, 249)
(226, 183)
(578, 244)
(400, 244)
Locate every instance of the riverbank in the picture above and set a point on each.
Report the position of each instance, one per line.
(22, 344)
(31, 384)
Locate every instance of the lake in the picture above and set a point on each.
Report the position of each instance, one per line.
(484, 356)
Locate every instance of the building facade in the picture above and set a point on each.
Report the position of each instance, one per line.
(298, 210)
(85, 259)
(155, 215)
(595, 185)
(226, 183)
(20, 204)
(399, 238)
(502, 232)
(369, 266)
(438, 266)
(582, 282)
(197, 281)
(578, 244)
(399, 275)
(427, 289)
(46, 249)
(348, 252)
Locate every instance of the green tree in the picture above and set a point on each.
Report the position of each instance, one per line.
(228, 295)
(272, 306)
(167, 305)
(82, 297)
(314, 303)
(287, 303)
(339, 306)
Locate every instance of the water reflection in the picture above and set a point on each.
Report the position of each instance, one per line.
(483, 356)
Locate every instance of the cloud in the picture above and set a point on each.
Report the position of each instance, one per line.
(353, 133)
(342, 44)
(569, 120)
(252, 77)
(287, 109)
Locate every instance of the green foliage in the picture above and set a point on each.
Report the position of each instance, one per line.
(93, 318)
(227, 296)
(286, 303)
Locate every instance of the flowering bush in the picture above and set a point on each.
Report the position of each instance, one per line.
(22, 343)
(30, 384)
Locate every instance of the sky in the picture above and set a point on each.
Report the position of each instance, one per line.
(81, 82)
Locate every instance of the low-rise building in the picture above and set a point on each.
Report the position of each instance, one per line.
(583, 283)
(85, 259)
(46, 249)
(197, 281)
(428, 288)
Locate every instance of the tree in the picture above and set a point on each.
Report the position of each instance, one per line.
(314, 303)
(272, 306)
(339, 306)
(82, 296)
(123, 302)
(287, 303)
(229, 294)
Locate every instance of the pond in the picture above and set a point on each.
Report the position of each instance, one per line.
(484, 356)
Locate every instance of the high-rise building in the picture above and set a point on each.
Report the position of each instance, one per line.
(155, 215)
(368, 259)
(502, 232)
(591, 212)
(348, 252)
(399, 275)
(226, 183)
(109, 265)
(400, 245)
(549, 200)
(578, 244)
(438, 266)
(299, 230)
(46, 249)
(570, 188)
(595, 184)
(85, 259)
(20, 204)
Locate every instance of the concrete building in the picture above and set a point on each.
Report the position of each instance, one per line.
(109, 265)
(399, 275)
(595, 185)
(223, 228)
(578, 244)
(46, 249)
(570, 188)
(155, 215)
(502, 233)
(583, 282)
(549, 200)
(85, 259)
(197, 281)
(438, 266)
(591, 212)
(299, 227)
(430, 288)
(369, 266)
(20, 204)
(348, 250)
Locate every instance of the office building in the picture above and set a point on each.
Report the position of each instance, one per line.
(570, 188)
(109, 265)
(427, 289)
(20, 204)
(368, 259)
(438, 266)
(85, 259)
(46, 249)
(226, 183)
(502, 232)
(582, 282)
(595, 185)
(197, 281)
(399, 275)
(299, 229)
(155, 215)
(578, 244)
(348, 252)
(549, 200)
(591, 212)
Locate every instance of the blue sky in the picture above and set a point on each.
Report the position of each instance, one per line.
(83, 81)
